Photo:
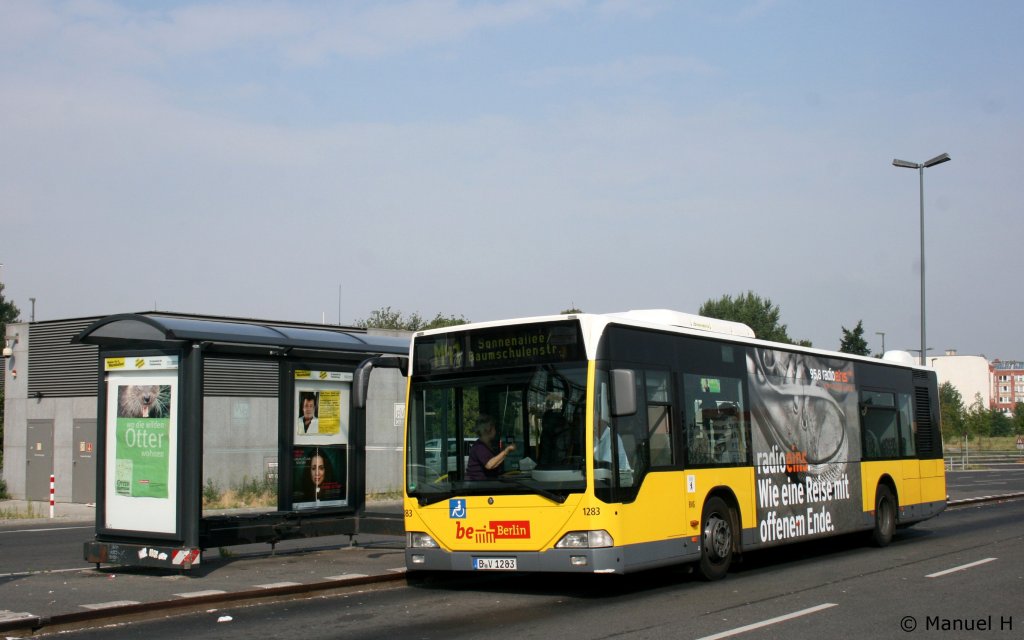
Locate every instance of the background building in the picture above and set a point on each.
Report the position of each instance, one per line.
(1007, 385)
(50, 414)
(971, 375)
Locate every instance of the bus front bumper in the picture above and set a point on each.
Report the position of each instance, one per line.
(608, 560)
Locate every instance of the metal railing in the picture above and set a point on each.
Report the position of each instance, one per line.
(984, 460)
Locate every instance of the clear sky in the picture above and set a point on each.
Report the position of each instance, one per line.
(502, 159)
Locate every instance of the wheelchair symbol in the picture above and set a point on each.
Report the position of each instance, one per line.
(457, 508)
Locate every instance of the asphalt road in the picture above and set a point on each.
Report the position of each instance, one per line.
(960, 571)
(39, 546)
(972, 484)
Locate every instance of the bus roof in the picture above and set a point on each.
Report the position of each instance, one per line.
(593, 325)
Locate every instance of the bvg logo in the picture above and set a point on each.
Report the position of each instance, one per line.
(496, 530)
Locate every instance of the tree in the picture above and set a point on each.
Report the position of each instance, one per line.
(977, 419)
(1018, 418)
(388, 318)
(8, 311)
(572, 309)
(1000, 424)
(951, 410)
(759, 314)
(853, 340)
(445, 321)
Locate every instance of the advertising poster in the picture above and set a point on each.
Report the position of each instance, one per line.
(805, 429)
(141, 443)
(319, 477)
(143, 440)
(322, 407)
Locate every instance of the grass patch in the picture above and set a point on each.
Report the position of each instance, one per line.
(249, 492)
(29, 513)
(385, 496)
(995, 444)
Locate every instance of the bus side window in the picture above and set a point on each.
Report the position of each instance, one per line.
(646, 435)
(879, 425)
(716, 426)
(660, 425)
(908, 427)
(659, 420)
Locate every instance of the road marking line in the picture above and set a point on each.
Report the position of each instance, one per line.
(108, 605)
(765, 623)
(347, 576)
(275, 585)
(46, 529)
(960, 568)
(40, 572)
(200, 594)
(6, 615)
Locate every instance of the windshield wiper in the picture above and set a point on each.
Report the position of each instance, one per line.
(541, 491)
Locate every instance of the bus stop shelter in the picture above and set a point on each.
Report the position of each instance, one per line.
(150, 415)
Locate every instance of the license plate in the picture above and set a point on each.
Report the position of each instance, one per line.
(495, 564)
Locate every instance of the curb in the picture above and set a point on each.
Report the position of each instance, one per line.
(980, 499)
(69, 621)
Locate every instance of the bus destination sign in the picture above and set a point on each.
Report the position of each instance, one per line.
(499, 347)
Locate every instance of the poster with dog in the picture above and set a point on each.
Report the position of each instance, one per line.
(143, 440)
(140, 441)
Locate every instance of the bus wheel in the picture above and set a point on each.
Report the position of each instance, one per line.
(885, 516)
(716, 539)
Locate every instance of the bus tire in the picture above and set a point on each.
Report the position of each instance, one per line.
(885, 516)
(716, 539)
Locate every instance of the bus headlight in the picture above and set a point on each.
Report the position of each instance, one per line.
(585, 540)
(419, 540)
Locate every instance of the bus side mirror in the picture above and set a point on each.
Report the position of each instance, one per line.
(361, 377)
(623, 392)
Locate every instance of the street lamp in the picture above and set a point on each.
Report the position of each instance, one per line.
(921, 166)
(881, 333)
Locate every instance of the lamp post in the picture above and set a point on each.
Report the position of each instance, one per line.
(881, 333)
(921, 166)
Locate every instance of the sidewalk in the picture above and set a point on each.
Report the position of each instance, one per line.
(62, 511)
(244, 571)
(73, 512)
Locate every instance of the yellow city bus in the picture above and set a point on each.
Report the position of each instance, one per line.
(630, 441)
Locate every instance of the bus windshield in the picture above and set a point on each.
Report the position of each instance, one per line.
(515, 431)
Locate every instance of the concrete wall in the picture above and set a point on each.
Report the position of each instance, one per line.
(16, 411)
(239, 437)
(384, 431)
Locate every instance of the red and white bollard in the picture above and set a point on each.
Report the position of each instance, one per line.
(51, 495)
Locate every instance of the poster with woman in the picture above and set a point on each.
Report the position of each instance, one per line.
(319, 477)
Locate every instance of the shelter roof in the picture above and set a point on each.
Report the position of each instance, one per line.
(156, 330)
